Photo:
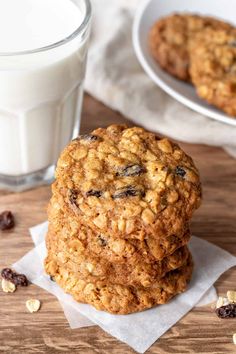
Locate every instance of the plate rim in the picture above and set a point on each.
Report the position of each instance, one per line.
(216, 116)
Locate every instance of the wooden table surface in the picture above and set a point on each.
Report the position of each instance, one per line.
(47, 331)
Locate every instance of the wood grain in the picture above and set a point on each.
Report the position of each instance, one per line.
(48, 332)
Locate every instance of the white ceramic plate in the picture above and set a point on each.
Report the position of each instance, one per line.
(151, 11)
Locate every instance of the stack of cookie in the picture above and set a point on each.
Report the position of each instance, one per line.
(200, 50)
(119, 219)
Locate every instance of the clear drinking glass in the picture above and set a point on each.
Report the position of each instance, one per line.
(41, 93)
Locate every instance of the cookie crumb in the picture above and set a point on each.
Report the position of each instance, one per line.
(33, 305)
(7, 286)
(231, 295)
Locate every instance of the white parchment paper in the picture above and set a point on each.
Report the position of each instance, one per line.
(139, 330)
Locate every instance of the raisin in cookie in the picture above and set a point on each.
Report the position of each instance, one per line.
(66, 250)
(65, 225)
(121, 299)
(169, 39)
(128, 183)
(213, 68)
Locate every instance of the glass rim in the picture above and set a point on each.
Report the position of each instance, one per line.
(82, 26)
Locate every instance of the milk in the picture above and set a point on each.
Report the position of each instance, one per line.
(40, 89)
(32, 24)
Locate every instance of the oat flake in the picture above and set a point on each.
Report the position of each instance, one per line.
(33, 305)
(7, 286)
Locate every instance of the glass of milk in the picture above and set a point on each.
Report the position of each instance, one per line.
(43, 49)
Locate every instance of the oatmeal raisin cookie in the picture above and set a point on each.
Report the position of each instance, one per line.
(128, 183)
(169, 40)
(213, 68)
(121, 299)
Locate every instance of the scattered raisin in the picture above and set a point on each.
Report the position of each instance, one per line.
(7, 274)
(131, 171)
(6, 220)
(20, 279)
(52, 278)
(102, 241)
(93, 193)
(128, 191)
(227, 311)
(180, 171)
(17, 279)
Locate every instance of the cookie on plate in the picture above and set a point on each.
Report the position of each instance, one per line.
(128, 183)
(169, 38)
(121, 299)
(213, 68)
